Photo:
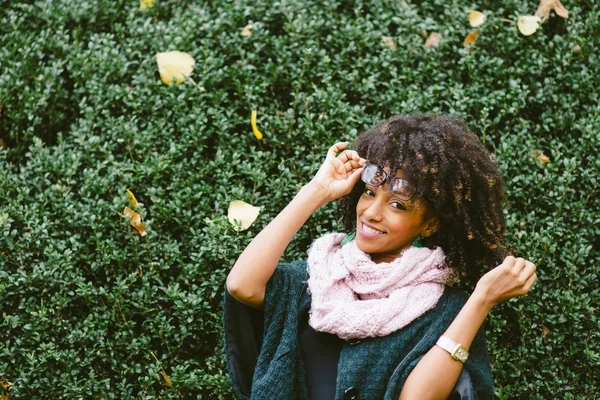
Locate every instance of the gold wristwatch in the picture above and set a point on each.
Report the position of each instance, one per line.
(456, 350)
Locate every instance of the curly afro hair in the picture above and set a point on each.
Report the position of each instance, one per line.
(455, 175)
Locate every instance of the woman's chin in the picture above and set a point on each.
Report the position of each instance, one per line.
(364, 245)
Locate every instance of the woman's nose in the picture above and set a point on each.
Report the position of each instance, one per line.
(374, 211)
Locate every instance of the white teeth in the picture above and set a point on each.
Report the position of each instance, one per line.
(368, 229)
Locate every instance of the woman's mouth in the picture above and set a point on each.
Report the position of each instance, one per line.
(369, 231)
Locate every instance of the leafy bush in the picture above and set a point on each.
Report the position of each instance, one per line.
(91, 310)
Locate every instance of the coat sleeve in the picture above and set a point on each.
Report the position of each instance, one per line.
(261, 345)
(475, 381)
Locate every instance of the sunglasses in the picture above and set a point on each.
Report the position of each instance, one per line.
(400, 188)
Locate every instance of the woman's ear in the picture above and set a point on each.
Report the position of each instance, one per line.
(431, 226)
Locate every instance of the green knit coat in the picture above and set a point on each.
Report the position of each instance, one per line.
(265, 362)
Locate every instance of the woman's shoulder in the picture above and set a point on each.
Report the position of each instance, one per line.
(452, 300)
(297, 267)
(288, 278)
(456, 295)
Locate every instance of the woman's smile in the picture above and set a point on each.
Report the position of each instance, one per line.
(370, 231)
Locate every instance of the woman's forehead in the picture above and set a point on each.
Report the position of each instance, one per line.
(398, 174)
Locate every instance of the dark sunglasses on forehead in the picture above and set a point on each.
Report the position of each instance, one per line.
(400, 188)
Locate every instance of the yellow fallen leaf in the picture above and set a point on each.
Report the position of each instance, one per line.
(135, 221)
(476, 18)
(132, 200)
(543, 159)
(545, 330)
(145, 4)
(241, 214)
(6, 385)
(388, 41)
(528, 24)
(166, 378)
(548, 5)
(247, 30)
(432, 40)
(257, 133)
(470, 39)
(174, 65)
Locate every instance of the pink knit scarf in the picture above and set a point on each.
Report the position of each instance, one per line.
(353, 297)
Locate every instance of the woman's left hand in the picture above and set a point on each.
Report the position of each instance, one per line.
(513, 278)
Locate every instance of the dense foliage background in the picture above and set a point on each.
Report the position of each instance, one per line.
(91, 310)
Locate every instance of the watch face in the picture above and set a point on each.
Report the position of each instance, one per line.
(461, 354)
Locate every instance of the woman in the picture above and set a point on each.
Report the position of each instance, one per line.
(371, 314)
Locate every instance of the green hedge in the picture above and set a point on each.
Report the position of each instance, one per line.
(91, 310)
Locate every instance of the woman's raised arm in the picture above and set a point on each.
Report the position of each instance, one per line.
(437, 372)
(248, 278)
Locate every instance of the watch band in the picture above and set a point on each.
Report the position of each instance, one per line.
(456, 350)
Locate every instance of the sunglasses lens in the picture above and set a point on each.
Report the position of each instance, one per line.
(373, 175)
(402, 189)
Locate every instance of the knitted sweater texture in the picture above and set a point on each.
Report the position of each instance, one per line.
(264, 358)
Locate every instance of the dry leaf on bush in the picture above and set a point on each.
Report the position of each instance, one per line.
(135, 221)
(545, 330)
(528, 24)
(548, 5)
(388, 41)
(132, 200)
(432, 40)
(257, 133)
(541, 157)
(241, 214)
(6, 385)
(476, 18)
(247, 30)
(145, 4)
(174, 65)
(470, 39)
(166, 378)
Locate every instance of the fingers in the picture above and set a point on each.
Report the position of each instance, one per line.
(350, 155)
(354, 177)
(333, 150)
(346, 155)
(528, 275)
(530, 282)
(353, 163)
(523, 272)
(518, 265)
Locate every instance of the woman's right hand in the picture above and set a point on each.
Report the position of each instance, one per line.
(338, 174)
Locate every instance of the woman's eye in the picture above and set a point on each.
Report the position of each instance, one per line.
(369, 193)
(398, 206)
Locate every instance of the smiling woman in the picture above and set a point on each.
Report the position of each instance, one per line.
(372, 314)
(388, 221)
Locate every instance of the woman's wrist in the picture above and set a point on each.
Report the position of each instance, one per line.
(317, 192)
(482, 299)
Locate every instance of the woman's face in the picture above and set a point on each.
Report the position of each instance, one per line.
(385, 225)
